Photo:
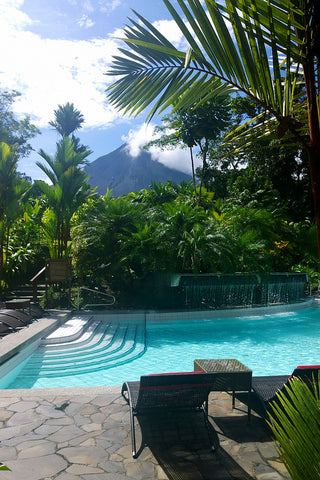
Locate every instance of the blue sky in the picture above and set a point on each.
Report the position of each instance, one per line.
(57, 51)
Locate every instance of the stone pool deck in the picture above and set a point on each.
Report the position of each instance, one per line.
(84, 434)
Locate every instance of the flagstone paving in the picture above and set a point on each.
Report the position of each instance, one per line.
(84, 434)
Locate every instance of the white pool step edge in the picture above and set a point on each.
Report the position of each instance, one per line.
(133, 347)
(112, 345)
(70, 331)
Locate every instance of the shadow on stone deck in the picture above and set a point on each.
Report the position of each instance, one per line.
(84, 434)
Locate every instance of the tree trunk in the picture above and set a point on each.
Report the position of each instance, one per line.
(193, 175)
(310, 65)
(314, 150)
(66, 236)
(204, 151)
(314, 166)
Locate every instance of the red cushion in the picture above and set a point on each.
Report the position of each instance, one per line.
(175, 387)
(308, 366)
(305, 367)
(187, 379)
(175, 373)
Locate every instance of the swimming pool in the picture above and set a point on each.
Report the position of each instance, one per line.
(269, 343)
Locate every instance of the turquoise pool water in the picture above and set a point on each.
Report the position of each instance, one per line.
(268, 344)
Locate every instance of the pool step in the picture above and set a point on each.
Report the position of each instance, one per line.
(96, 333)
(110, 344)
(70, 331)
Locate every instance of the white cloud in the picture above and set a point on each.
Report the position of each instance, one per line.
(109, 5)
(104, 6)
(49, 72)
(86, 22)
(171, 31)
(87, 5)
(12, 17)
(137, 138)
(178, 158)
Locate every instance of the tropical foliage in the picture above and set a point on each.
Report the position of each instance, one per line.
(15, 133)
(120, 242)
(67, 120)
(295, 423)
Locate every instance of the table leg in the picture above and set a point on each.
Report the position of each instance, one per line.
(206, 405)
(249, 403)
(249, 406)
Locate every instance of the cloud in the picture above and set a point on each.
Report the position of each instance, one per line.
(172, 32)
(86, 22)
(109, 5)
(49, 72)
(139, 137)
(103, 6)
(11, 17)
(178, 159)
(52, 72)
(87, 5)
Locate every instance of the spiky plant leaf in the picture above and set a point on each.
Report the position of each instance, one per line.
(295, 422)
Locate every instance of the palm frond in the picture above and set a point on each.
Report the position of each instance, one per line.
(155, 74)
(295, 422)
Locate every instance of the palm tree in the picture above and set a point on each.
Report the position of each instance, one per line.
(67, 119)
(266, 49)
(205, 248)
(68, 190)
(174, 220)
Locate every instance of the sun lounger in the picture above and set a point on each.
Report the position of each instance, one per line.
(166, 393)
(10, 321)
(24, 317)
(265, 389)
(5, 330)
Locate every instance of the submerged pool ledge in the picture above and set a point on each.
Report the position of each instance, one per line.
(62, 391)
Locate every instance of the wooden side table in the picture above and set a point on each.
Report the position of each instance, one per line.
(232, 376)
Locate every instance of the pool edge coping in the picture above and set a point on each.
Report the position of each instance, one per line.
(62, 391)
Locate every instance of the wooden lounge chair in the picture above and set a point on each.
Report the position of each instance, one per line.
(265, 388)
(155, 395)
